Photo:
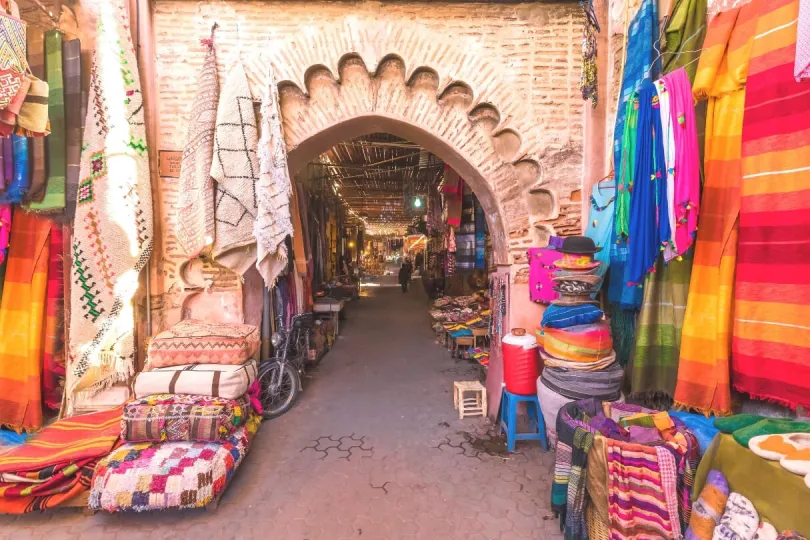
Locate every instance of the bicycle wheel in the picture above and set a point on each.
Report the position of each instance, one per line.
(277, 401)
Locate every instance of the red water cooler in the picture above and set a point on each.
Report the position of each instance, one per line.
(520, 362)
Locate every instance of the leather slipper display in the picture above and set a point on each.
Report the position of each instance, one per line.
(775, 447)
(797, 462)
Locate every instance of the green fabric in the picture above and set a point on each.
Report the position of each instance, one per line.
(730, 424)
(683, 36)
(779, 496)
(54, 200)
(658, 330)
(770, 426)
(625, 183)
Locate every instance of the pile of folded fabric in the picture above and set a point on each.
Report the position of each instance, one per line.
(478, 354)
(190, 424)
(575, 342)
(601, 452)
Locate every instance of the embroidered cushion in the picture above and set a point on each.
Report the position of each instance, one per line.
(199, 342)
(182, 417)
(226, 381)
(567, 316)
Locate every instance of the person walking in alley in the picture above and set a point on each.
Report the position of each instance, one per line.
(405, 275)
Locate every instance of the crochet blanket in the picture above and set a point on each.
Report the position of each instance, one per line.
(235, 168)
(274, 190)
(150, 476)
(180, 417)
(109, 248)
(195, 212)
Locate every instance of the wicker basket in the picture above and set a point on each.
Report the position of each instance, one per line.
(597, 529)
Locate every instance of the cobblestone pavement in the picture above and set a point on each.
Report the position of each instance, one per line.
(373, 450)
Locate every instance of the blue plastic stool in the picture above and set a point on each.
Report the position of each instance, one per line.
(537, 426)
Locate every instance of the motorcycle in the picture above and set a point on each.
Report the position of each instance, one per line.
(280, 376)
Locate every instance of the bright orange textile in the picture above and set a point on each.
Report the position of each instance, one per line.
(703, 371)
(22, 316)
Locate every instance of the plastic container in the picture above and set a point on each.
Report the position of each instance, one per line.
(520, 362)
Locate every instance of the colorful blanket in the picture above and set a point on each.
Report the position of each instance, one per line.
(109, 248)
(180, 417)
(195, 209)
(771, 347)
(235, 168)
(22, 317)
(703, 370)
(53, 364)
(54, 197)
(658, 331)
(57, 464)
(642, 498)
(147, 476)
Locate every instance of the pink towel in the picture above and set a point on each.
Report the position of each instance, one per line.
(801, 69)
(687, 158)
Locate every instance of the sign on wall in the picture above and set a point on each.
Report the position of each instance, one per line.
(169, 163)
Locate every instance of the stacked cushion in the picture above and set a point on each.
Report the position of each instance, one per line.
(199, 342)
(215, 380)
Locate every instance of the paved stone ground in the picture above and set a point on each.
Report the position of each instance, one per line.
(373, 450)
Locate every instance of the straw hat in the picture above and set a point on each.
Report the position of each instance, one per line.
(574, 300)
(576, 262)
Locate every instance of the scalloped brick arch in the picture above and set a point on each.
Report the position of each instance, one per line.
(429, 91)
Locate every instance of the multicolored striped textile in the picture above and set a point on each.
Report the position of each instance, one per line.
(22, 315)
(703, 369)
(642, 486)
(771, 346)
(57, 463)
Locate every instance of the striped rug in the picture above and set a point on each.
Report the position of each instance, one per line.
(703, 367)
(771, 345)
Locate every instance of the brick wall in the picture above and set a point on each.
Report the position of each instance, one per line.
(519, 60)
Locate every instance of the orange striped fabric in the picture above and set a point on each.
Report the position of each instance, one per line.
(771, 345)
(703, 367)
(22, 317)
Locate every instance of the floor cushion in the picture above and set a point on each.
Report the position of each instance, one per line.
(199, 342)
(182, 417)
(214, 380)
(149, 476)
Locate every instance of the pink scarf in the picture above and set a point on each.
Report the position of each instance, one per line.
(5, 230)
(687, 158)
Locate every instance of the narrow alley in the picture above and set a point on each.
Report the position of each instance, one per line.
(373, 450)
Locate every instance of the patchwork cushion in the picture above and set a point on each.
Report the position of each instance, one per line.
(149, 476)
(225, 381)
(181, 417)
(199, 342)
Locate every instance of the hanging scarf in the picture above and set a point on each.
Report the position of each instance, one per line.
(53, 365)
(771, 346)
(687, 160)
(274, 188)
(195, 207)
(668, 144)
(627, 171)
(649, 225)
(3, 141)
(15, 154)
(54, 199)
(235, 168)
(600, 222)
(703, 367)
(72, 58)
(683, 37)
(22, 316)
(109, 249)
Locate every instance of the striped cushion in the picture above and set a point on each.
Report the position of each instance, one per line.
(200, 342)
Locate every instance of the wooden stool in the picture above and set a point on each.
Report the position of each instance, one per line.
(470, 406)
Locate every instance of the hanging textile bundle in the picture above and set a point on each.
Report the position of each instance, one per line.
(195, 188)
(589, 81)
(72, 58)
(273, 190)
(110, 249)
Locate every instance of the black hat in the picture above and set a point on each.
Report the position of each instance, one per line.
(578, 244)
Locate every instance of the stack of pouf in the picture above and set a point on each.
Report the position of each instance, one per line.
(574, 339)
(190, 424)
